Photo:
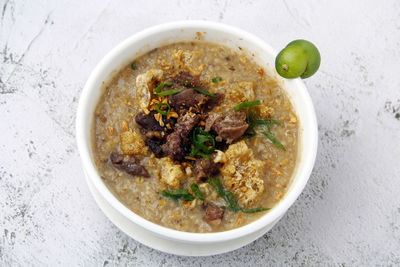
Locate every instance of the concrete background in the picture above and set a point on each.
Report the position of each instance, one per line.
(349, 213)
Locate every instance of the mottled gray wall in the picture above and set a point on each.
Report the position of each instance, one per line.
(349, 212)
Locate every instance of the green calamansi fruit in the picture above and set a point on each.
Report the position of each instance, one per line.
(291, 62)
(299, 58)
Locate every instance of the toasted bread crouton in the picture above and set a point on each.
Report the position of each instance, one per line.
(132, 143)
(241, 173)
(145, 84)
(171, 174)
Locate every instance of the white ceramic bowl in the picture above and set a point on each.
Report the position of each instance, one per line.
(185, 242)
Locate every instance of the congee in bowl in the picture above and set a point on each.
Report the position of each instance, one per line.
(196, 137)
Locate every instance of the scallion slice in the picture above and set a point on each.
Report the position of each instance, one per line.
(182, 194)
(216, 79)
(169, 92)
(266, 123)
(274, 140)
(230, 198)
(161, 86)
(254, 210)
(203, 91)
(200, 138)
(163, 112)
(196, 191)
(247, 105)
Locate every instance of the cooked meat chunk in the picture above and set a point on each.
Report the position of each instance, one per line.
(148, 122)
(155, 147)
(214, 101)
(116, 158)
(186, 124)
(176, 143)
(185, 78)
(130, 165)
(190, 98)
(187, 99)
(153, 132)
(211, 118)
(213, 214)
(228, 127)
(174, 146)
(205, 168)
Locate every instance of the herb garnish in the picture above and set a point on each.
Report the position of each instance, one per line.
(196, 191)
(181, 194)
(161, 86)
(216, 79)
(274, 140)
(133, 66)
(266, 122)
(169, 92)
(252, 122)
(267, 133)
(200, 138)
(247, 105)
(204, 92)
(230, 198)
(161, 111)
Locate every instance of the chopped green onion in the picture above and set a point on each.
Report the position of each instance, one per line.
(247, 105)
(200, 137)
(274, 140)
(252, 122)
(161, 86)
(163, 112)
(204, 92)
(169, 92)
(254, 210)
(266, 123)
(182, 194)
(216, 184)
(203, 155)
(250, 117)
(196, 191)
(216, 79)
(230, 198)
(133, 66)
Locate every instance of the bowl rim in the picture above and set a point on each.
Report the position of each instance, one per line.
(84, 146)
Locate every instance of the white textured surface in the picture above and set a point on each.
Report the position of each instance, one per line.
(349, 212)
